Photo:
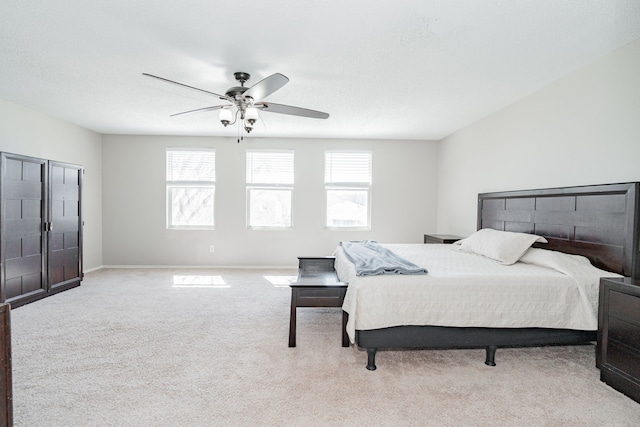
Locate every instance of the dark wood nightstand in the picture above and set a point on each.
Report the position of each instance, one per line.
(317, 286)
(440, 238)
(618, 348)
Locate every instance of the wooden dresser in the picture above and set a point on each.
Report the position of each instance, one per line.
(618, 349)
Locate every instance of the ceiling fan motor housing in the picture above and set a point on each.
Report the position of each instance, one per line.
(236, 91)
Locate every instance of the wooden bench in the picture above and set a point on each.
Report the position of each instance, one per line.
(317, 286)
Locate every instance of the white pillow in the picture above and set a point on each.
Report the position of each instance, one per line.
(505, 247)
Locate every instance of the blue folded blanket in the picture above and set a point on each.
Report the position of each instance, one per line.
(371, 259)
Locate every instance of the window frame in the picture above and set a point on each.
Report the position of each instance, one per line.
(359, 186)
(269, 186)
(188, 184)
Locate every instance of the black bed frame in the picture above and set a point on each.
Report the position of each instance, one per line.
(601, 222)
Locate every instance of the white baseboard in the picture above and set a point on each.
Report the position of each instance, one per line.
(193, 267)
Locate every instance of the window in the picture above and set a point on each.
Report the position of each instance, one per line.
(347, 178)
(191, 186)
(269, 189)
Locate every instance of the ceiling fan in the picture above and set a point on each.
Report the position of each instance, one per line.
(243, 102)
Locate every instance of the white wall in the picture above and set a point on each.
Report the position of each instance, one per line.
(27, 132)
(403, 201)
(582, 129)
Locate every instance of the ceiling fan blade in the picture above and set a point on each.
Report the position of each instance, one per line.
(214, 107)
(187, 86)
(266, 86)
(270, 107)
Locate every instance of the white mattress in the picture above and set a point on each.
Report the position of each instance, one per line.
(463, 289)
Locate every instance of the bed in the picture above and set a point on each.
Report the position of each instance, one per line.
(599, 222)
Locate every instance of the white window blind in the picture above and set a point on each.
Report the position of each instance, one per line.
(344, 167)
(191, 165)
(273, 167)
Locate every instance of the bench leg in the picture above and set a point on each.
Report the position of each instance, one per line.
(292, 319)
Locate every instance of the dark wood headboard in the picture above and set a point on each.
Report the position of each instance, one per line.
(601, 222)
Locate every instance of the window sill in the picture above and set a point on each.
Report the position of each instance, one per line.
(347, 228)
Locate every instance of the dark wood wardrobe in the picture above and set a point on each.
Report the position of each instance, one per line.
(40, 228)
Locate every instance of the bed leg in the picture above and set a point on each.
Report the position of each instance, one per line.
(371, 359)
(491, 355)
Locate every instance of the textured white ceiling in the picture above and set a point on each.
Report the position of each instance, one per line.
(402, 69)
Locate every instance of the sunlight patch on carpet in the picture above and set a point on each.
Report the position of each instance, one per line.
(281, 281)
(199, 281)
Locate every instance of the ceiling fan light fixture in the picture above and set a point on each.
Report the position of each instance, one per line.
(251, 115)
(225, 116)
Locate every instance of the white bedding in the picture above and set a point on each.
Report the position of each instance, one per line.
(549, 290)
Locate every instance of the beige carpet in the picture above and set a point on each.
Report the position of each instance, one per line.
(167, 347)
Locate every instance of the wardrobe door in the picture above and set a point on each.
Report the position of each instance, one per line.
(65, 226)
(22, 220)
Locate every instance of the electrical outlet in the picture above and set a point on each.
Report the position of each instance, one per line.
(211, 248)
